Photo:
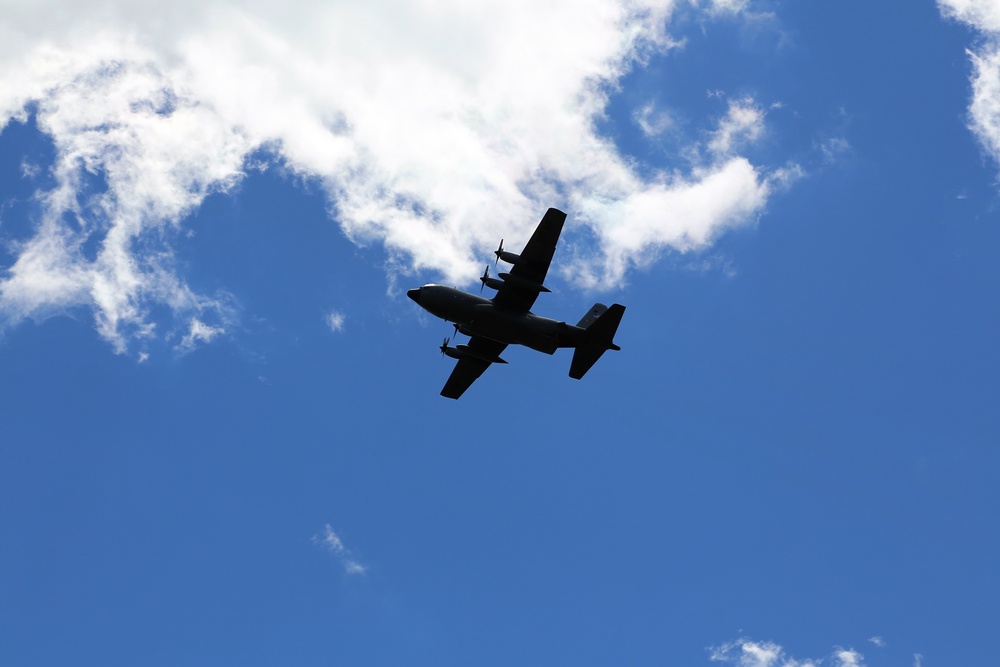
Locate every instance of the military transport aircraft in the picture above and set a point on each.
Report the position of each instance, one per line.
(506, 319)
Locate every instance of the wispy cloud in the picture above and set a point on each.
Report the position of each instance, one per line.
(335, 320)
(984, 109)
(198, 333)
(727, 6)
(833, 149)
(742, 124)
(335, 545)
(30, 170)
(653, 121)
(151, 107)
(746, 652)
(848, 658)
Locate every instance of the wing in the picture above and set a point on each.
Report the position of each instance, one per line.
(533, 264)
(468, 369)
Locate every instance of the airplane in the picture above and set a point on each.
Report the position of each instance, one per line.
(506, 319)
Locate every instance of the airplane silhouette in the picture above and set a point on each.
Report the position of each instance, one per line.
(506, 319)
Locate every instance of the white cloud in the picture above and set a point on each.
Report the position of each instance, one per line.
(434, 126)
(651, 121)
(30, 170)
(984, 110)
(745, 652)
(728, 6)
(198, 333)
(335, 545)
(878, 641)
(680, 212)
(759, 654)
(848, 658)
(743, 124)
(354, 567)
(335, 320)
(748, 653)
(785, 177)
(833, 149)
(981, 14)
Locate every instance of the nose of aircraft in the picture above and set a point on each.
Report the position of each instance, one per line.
(414, 294)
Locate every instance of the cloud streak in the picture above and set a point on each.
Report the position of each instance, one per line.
(332, 542)
(429, 124)
(746, 652)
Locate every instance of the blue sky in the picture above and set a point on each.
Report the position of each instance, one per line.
(222, 437)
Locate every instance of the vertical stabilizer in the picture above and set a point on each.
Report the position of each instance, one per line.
(599, 337)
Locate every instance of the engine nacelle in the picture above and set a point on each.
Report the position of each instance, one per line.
(509, 257)
(492, 283)
(524, 283)
(463, 352)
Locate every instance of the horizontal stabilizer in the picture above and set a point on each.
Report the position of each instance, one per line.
(598, 338)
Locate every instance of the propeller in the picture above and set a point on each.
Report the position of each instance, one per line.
(444, 345)
(498, 252)
(486, 276)
(457, 325)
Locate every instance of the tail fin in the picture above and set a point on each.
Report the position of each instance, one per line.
(598, 338)
(592, 316)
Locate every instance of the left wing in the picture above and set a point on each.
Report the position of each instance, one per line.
(517, 292)
(470, 367)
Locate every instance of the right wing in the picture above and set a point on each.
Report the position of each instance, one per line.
(533, 264)
(468, 369)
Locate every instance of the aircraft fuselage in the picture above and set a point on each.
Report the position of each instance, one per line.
(477, 315)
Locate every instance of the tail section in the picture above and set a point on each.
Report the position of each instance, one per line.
(598, 338)
(592, 316)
